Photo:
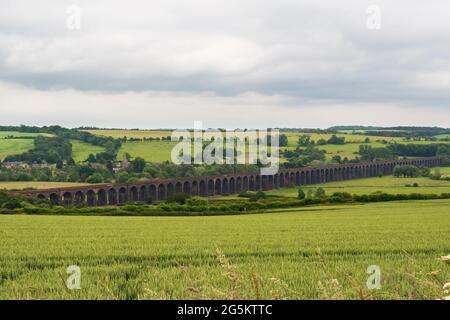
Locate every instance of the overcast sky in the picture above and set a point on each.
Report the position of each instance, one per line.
(233, 63)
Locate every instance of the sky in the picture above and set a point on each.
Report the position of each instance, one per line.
(230, 64)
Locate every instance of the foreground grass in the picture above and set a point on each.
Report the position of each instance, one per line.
(286, 254)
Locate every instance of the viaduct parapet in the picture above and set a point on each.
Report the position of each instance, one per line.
(161, 189)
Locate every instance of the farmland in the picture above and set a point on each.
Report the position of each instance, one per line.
(81, 150)
(14, 146)
(309, 253)
(20, 185)
(387, 184)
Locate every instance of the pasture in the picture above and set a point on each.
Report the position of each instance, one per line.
(14, 146)
(308, 253)
(81, 150)
(386, 184)
(138, 134)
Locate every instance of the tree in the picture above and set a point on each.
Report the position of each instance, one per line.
(95, 178)
(283, 142)
(91, 158)
(301, 194)
(320, 193)
(137, 165)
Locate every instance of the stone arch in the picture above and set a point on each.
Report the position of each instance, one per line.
(281, 176)
(276, 181)
(210, 187)
(79, 198)
(134, 194)
(102, 198)
(67, 198)
(123, 195)
(178, 187)
(194, 190)
(291, 179)
(258, 183)
(143, 194)
(162, 192)
(308, 177)
(91, 198)
(232, 186)
(218, 187)
(41, 196)
(152, 192)
(170, 190)
(245, 183)
(238, 185)
(112, 196)
(225, 186)
(251, 183)
(187, 187)
(297, 179)
(55, 199)
(264, 183)
(203, 191)
(270, 182)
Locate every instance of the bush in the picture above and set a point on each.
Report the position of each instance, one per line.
(197, 201)
(301, 194)
(179, 197)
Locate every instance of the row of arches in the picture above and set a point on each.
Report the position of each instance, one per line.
(224, 185)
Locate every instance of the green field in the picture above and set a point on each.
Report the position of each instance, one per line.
(152, 151)
(289, 254)
(387, 184)
(14, 146)
(139, 134)
(81, 150)
(4, 134)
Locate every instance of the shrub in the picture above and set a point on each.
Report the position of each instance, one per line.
(301, 194)
(197, 201)
(320, 193)
(179, 197)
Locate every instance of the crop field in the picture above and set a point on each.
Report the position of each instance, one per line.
(139, 134)
(387, 184)
(319, 252)
(19, 185)
(354, 138)
(81, 150)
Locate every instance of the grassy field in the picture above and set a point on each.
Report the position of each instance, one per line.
(14, 146)
(81, 150)
(387, 184)
(319, 252)
(152, 151)
(4, 134)
(19, 185)
(140, 134)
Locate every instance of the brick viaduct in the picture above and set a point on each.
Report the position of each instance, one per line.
(160, 189)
